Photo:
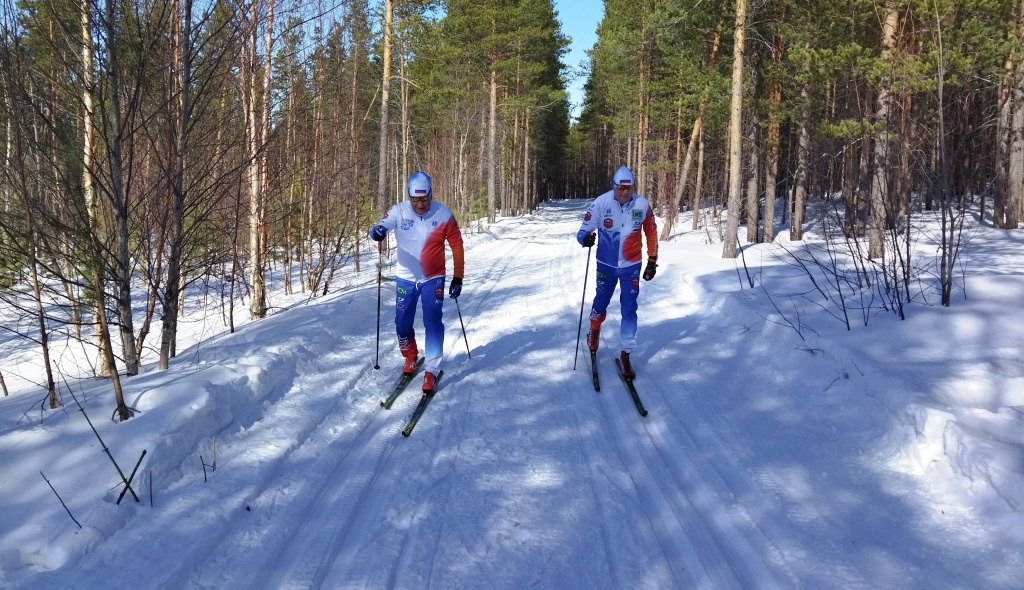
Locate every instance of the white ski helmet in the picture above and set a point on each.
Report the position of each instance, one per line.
(623, 177)
(419, 185)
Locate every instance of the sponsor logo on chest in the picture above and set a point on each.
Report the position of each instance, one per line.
(406, 224)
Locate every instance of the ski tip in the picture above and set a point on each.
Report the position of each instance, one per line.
(405, 434)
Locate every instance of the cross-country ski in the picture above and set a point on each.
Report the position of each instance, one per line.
(631, 388)
(400, 384)
(422, 406)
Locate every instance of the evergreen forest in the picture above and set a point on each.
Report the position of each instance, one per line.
(150, 146)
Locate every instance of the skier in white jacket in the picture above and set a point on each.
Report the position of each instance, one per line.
(620, 218)
(422, 226)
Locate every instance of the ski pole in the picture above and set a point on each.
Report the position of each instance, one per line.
(463, 327)
(582, 303)
(380, 267)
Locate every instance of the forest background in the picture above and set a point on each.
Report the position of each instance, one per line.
(151, 146)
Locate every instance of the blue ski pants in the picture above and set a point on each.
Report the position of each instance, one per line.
(408, 295)
(628, 279)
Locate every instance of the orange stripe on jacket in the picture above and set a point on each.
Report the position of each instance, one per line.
(432, 256)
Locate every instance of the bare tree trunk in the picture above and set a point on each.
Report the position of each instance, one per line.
(481, 167)
(256, 115)
(753, 190)
(492, 140)
(527, 204)
(729, 247)
(641, 128)
(180, 107)
(5, 206)
(1003, 143)
(1015, 190)
(385, 95)
(673, 208)
(880, 162)
(32, 248)
(906, 133)
(291, 135)
(119, 198)
(861, 201)
(88, 189)
(698, 185)
(796, 224)
(771, 169)
(406, 170)
(353, 140)
(850, 190)
(44, 338)
(947, 246)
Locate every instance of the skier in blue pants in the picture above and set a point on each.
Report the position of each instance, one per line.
(422, 226)
(620, 218)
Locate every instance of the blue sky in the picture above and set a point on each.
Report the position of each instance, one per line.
(579, 20)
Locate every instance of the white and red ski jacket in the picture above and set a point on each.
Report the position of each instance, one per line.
(619, 230)
(421, 241)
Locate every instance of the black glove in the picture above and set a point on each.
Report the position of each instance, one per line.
(652, 267)
(455, 289)
(589, 239)
(378, 233)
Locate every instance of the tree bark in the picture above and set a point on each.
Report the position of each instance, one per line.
(1003, 139)
(1010, 214)
(385, 96)
(492, 140)
(771, 165)
(97, 275)
(796, 221)
(118, 195)
(729, 247)
(181, 107)
(753, 190)
(880, 161)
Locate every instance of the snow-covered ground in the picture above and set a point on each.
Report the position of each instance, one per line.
(781, 450)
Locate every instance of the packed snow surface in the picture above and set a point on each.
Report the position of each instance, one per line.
(781, 450)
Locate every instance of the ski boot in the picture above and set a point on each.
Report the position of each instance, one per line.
(410, 365)
(627, 369)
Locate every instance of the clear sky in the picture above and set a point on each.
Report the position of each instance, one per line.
(579, 20)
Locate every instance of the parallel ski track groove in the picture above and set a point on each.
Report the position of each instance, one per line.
(439, 437)
(693, 470)
(570, 382)
(213, 563)
(317, 557)
(507, 259)
(809, 528)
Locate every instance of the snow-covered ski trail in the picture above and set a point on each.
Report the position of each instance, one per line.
(746, 473)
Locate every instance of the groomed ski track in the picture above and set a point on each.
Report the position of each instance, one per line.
(519, 474)
(500, 447)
